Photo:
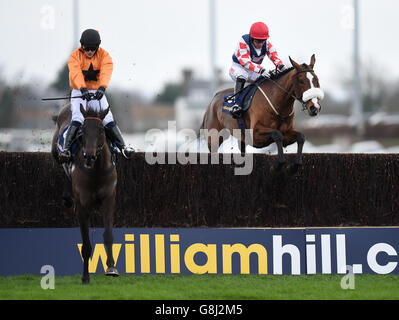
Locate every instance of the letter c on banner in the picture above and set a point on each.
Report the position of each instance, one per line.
(372, 258)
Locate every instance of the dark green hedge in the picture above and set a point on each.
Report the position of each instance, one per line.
(330, 190)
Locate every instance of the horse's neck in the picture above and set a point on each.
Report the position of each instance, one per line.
(282, 97)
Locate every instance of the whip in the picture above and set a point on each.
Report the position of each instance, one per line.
(61, 98)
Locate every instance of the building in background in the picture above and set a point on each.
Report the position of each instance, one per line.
(195, 97)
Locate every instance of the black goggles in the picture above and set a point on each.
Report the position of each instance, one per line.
(259, 40)
(90, 48)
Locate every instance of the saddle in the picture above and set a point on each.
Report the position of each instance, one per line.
(243, 99)
(76, 143)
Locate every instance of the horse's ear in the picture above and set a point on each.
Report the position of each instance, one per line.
(103, 113)
(83, 111)
(294, 64)
(312, 61)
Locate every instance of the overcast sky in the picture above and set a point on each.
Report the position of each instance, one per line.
(151, 41)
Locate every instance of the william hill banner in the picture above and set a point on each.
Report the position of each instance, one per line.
(206, 251)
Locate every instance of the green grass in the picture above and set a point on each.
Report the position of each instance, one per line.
(196, 287)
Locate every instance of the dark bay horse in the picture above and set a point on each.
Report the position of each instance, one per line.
(271, 116)
(94, 177)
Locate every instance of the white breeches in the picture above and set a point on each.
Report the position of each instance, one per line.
(93, 104)
(238, 71)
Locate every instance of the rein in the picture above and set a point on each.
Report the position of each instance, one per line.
(271, 105)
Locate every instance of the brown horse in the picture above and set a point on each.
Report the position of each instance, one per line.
(94, 179)
(271, 116)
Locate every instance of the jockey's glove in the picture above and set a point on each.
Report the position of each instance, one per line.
(99, 93)
(85, 94)
(264, 73)
(281, 67)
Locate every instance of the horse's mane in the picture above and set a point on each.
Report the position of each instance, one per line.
(92, 112)
(278, 75)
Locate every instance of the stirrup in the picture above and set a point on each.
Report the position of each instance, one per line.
(236, 111)
(127, 152)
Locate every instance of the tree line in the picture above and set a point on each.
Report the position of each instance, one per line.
(378, 94)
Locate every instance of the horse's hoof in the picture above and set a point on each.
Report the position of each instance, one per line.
(112, 271)
(85, 281)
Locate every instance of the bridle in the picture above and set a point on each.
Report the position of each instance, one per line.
(92, 172)
(304, 107)
(101, 146)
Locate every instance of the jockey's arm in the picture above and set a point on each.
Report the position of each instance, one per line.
(76, 77)
(106, 70)
(272, 54)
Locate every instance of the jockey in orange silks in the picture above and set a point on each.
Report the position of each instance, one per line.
(90, 71)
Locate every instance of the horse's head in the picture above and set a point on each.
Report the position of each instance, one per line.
(306, 86)
(93, 138)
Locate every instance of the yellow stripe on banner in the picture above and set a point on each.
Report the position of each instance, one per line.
(145, 253)
(159, 253)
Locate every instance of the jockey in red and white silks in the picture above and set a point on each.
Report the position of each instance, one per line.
(248, 57)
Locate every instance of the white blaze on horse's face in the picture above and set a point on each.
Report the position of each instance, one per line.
(314, 94)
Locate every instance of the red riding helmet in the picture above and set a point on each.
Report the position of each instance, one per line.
(259, 31)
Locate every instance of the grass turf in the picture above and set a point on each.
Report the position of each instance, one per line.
(201, 287)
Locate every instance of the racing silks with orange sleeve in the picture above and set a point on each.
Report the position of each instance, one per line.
(90, 73)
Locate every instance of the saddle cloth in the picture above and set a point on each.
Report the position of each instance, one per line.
(243, 99)
(61, 140)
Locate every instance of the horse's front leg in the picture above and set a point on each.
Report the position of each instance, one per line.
(289, 138)
(86, 246)
(107, 209)
(278, 138)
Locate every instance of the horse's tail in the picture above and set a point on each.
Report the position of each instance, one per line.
(54, 118)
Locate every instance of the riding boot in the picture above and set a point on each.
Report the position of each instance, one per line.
(65, 154)
(236, 110)
(115, 135)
